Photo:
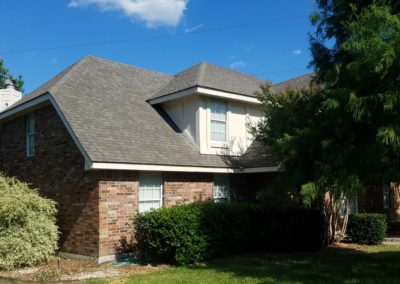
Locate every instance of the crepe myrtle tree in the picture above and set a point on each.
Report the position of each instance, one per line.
(343, 133)
(5, 74)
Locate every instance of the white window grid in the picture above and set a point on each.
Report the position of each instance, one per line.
(221, 191)
(150, 191)
(218, 121)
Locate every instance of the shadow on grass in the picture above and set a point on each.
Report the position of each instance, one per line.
(332, 265)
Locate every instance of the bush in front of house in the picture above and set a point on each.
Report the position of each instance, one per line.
(190, 233)
(28, 234)
(171, 234)
(367, 228)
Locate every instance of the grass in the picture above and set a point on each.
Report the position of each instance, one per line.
(376, 264)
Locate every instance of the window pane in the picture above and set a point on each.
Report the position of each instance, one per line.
(218, 110)
(150, 186)
(221, 188)
(218, 131)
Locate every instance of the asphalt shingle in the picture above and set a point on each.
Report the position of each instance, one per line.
(105, 103)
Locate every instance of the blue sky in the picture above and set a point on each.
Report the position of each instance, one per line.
(266, 38)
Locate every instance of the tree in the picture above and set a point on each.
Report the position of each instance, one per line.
(5, 74)
(338, 139)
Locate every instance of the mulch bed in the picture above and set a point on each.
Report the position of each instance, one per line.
(66, 270)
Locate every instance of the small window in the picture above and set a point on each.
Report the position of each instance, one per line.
(218, 121)
(30, 135)
(386, 196)
(221, 188)
(150, 191)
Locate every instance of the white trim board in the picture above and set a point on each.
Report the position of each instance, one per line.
(164, 168)
(204, 91)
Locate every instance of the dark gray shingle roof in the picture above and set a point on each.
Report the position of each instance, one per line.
(105, 104)
(214, 77)
(296, 83)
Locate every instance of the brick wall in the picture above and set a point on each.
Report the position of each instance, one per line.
(96, 208)
(58, 170)
(119, 199)
(181, 188)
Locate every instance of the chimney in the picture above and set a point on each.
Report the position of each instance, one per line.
(9, 95)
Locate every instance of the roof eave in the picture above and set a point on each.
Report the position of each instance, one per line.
(204, 91)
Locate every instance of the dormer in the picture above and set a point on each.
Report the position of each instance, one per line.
(212, 106)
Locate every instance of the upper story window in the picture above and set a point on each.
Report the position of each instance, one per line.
(218, 120)
(30, 135)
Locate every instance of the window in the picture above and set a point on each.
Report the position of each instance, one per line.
(221, 188)
(150, 191)
(30, 135)
(386, 196)
(218, 121)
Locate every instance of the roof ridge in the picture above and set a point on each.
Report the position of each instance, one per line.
(236, 72)
(201, 73)
(68, 73)
(127, 65)
(293, 79)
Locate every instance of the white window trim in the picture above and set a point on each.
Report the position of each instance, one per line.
(148, 200)
(30, 149)
(212, 143)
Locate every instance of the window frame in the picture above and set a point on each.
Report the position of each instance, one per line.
(386, 196)
(218, 198)
(142, 201)
(30, 134)
(211, 120)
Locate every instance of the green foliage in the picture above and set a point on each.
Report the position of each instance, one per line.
(367, 228)
(190, 233)
(339, 136)
(5, 74)
(28, 234)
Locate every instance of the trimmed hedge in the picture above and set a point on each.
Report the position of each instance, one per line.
(28, 234)
(367, 228)
(190, 233)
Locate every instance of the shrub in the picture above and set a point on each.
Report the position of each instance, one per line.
(189, 233)
(28, 234)
(367, 228)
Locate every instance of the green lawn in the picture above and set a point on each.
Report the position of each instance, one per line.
(377, 264)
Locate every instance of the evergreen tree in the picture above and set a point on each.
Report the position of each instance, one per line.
(5, 74)
(337, 139)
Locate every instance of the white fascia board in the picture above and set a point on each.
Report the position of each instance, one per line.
(227, 95)
(38, 101)
(165, 168)
(173, 96)
(205, 91)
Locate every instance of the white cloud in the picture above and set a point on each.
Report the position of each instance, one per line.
(238, 64)
(297, 51)
(153, 13)
(192, 29)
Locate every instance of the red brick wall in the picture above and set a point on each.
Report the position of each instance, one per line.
(181, 188)
(58, 170)
(118, 207)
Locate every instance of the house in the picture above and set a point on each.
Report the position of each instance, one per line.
(107, 140)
